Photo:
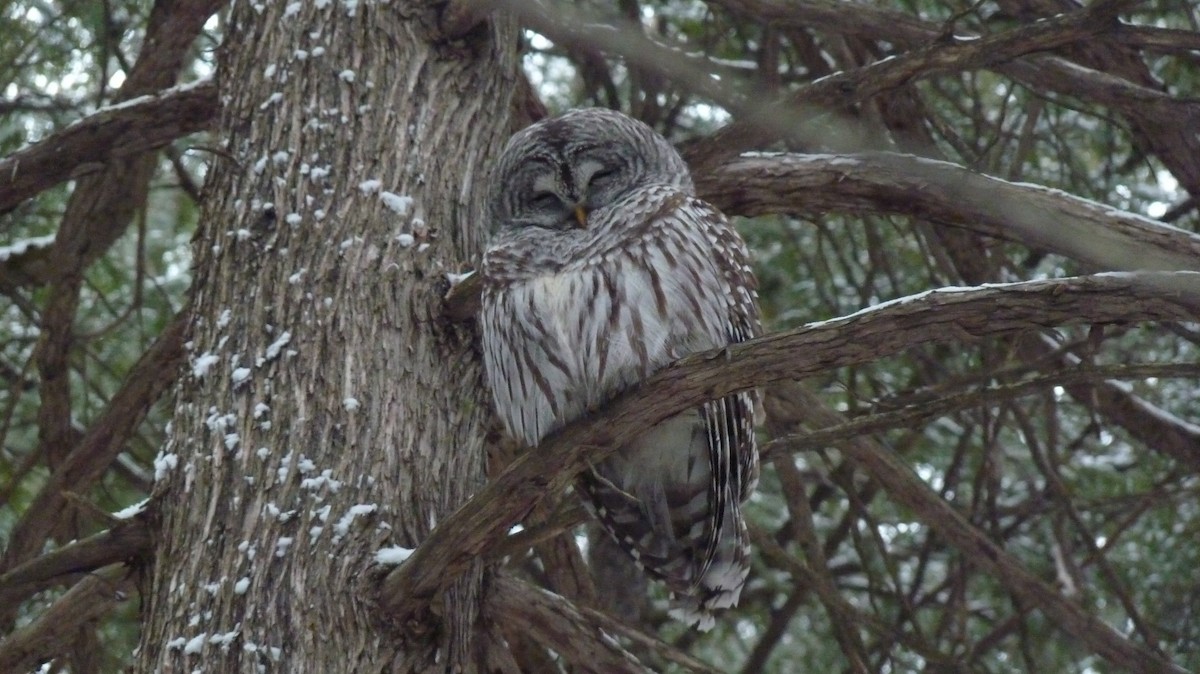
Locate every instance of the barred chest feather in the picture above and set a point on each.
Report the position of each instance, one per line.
(584, 333)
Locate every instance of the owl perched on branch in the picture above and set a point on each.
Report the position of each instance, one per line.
(603, 268)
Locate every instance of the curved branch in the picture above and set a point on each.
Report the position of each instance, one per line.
(90, 599)
(122, 130)
(935, 316)
(125, 540)
(1099, 236)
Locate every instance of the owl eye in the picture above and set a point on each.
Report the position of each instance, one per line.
(544, 200)
(603, 175)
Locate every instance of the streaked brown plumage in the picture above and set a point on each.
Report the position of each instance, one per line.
(604, 268)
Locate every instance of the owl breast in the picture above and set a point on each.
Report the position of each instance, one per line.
(584, 331)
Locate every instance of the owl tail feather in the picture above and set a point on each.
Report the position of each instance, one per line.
(721, 585)
(700, 582)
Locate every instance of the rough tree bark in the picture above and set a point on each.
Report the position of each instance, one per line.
(327, 410)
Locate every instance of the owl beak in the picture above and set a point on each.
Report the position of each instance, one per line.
(581, 216)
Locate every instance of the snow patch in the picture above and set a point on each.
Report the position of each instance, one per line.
(393, 555)
(276, 346)
(342, 527)
(195, 644)
(223, 640)
(455, 279)
(163, 464)
(401, 205)
(131, 511)
(202, 363)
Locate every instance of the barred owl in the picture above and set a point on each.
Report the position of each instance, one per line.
(603, 268)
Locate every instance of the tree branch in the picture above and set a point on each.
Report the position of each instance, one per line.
(800, 115)
(122, 130)
(1099, 236)
(1164, 122)
(1158, 429)
(758, 125)
(565, 24)
(41, 640)
(102, 442)
(904, 486)
(556, 624)
(1080, 380)
(125, 540)
(937, 316)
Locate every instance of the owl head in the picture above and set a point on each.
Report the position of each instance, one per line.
(554, 174)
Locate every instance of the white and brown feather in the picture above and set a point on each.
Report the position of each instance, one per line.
(573, 316)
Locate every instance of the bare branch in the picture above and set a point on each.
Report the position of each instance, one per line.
(127, 539)
(801, 115)
(129, 128)
(1079, 381)
(660, 648)
(566, 24)
(904, 486)
(556, 624)
(1099, 236)
(1164, 122)
(1155, 427)
(102, 442)
(91, 599)
(935, 316)
(759, 125)
(583, 636)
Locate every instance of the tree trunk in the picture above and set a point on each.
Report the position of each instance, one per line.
(328, 409)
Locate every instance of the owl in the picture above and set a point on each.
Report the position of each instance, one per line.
(604, 267)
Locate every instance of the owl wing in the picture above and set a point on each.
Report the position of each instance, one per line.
(686, 271)
(739, 410)
(728, 421)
